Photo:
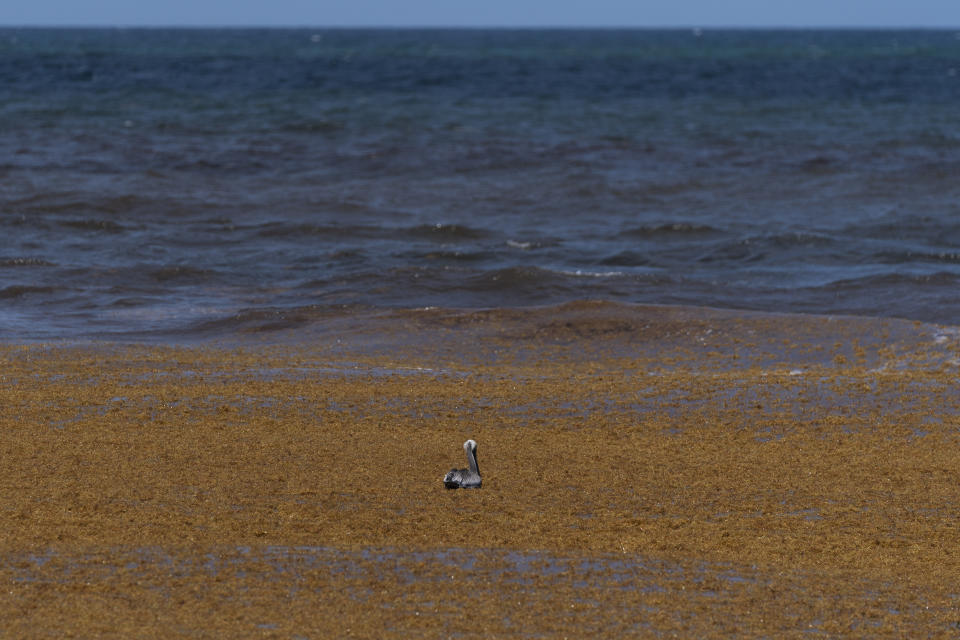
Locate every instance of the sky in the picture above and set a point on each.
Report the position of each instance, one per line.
(496, 13)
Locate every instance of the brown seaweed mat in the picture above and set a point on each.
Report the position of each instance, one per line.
(648, 472)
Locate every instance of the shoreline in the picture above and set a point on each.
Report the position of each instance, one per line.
(279, 325)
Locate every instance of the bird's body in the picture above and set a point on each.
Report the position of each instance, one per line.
(465, 478)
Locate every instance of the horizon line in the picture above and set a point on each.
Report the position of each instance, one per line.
(491, 27)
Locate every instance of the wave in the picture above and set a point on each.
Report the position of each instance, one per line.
(180, 273)
(896, 226)
(310, 125)
(628, 258)
(93, 224)
(885, 283)
(332, 231)
(267, 319)
(74, 201)
(794, 239)
(450, 255)
(544, 277)
(26, 262)
(18, 291)
(927, 296)
(446, 232)
(907, 256)
(772, 246)
(513, 278)
(129, 302)
(669, 229)
(584, 273)
(255, 320)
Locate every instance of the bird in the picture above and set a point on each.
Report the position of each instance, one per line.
(465, 478)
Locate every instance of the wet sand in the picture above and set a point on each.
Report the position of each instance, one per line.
(648, 471)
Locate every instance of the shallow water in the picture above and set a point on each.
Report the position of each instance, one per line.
(191, 183)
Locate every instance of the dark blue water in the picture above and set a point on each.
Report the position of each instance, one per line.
(160, 182)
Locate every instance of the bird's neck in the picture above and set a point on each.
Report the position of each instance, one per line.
(472, 461)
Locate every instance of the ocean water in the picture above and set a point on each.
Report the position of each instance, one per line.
(163, 182)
